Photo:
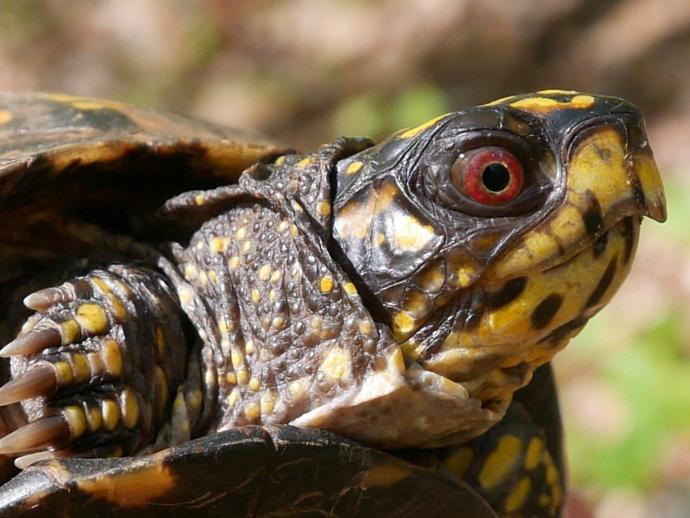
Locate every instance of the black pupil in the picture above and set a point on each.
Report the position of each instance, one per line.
(495, 177)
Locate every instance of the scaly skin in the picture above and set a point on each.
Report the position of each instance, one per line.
(360, 289)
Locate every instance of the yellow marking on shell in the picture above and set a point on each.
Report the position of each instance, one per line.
(233, 397)
(76, 420)
(5, 116)
(255, 296)
(94, 419)
(265, 272)
(350, 288)
(556, 91)
(500, 462)
(297, 389)
(413, 132)
(518, 495)
(112, 357)
(535, 449)
(69, 331)
(111, 414)
(384, 475)
(92, 318)
(325, 209)
(254, 384)
(337, 364)
(280, 160)
(199, 199)
(147, 479)
(460, 461)
(117, 307)
(410, 235)
(326, 284)
(242, 376)
(63, 371)
(268, 401)
(304, 162)
(130, 408)
(252, 411)
(234, 262)
(354, 168)
(80, 368)
(546, 104)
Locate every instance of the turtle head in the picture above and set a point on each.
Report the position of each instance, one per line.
(487, 238)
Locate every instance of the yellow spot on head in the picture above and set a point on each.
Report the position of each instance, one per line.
(432, 279)
(464, 276)
(417, 130)
(92, 318)
(326, 284)
(500, 462)
(545, 104)
(354, 168)
(416, 304)
(410, 235)
(556, 91)
(76, 420)
(517, 496)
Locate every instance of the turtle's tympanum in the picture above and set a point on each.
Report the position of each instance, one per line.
(199, 321)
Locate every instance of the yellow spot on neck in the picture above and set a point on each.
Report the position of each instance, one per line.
(500, 462)
(534, 453)
(326, 284)
(417, 130)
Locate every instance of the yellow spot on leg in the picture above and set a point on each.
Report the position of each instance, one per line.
(268, 400)
(500, 462)
(76, 420)
(111, 414)
(326, 284)
(130, 408)
(516, 498)
(535, 449)
(354, 168)
(112, 358)
(337, 364)
(252, 411)
(92, 318)
(69, 331)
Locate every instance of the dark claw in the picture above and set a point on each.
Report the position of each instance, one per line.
(37, 381)
(43, 433)
(32, 342)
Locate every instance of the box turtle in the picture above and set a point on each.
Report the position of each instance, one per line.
(200, 321)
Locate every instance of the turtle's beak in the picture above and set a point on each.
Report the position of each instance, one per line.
(607, 174)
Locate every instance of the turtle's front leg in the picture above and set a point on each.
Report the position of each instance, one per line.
(97, 366)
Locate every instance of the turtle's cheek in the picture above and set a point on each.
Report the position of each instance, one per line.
(549, 308)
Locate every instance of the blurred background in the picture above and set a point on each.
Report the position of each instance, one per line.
(305, 71)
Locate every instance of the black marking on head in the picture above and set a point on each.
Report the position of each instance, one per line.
(603, 284)
(600, 244)
(592, 215)
(546, 310)
(629, 236)
(507, 294)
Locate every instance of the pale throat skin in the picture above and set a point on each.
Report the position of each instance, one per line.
(359, 288)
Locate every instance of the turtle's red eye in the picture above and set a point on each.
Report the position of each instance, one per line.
(489, 175)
